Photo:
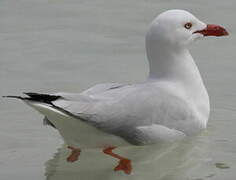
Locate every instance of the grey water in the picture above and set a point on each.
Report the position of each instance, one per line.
(70, 45)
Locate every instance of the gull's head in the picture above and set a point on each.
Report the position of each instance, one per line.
(180, 28)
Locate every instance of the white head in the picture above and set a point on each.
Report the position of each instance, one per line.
(168, 38)
(180, 28)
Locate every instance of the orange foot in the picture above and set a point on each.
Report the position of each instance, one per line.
(74, 156)
(124, 164)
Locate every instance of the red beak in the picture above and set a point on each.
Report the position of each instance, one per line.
(213, 30)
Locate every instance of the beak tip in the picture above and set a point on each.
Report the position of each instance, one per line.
(225, 33)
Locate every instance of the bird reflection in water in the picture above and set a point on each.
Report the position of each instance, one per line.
(163, 161)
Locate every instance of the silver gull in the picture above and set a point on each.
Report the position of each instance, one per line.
(171, 104)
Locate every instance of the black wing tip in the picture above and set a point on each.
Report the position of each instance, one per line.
(27, 93)
(44, 98)
(32, 94)
(16, 97)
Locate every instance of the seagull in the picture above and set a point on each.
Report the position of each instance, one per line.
(170, 104)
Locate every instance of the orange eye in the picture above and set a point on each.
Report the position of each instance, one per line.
(188, 25)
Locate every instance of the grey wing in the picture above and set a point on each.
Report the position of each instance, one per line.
(85, 102)
(127, 112)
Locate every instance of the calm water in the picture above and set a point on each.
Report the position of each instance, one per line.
(69, 45)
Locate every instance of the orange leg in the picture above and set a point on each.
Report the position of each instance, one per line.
(74, 155)
(124, 163)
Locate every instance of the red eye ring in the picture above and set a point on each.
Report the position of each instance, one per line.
(188, 25)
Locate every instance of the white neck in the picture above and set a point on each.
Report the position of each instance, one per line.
(177, 65)
(171, 63)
